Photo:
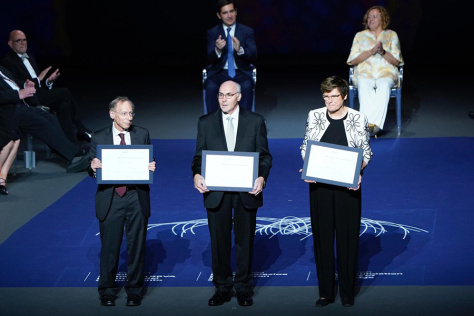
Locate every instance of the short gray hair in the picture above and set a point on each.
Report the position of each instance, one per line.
(117, 100)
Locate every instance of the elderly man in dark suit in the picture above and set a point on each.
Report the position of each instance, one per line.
(120, 208)
(232, 129)
(21, 118)
(23, 66)
(234, 42)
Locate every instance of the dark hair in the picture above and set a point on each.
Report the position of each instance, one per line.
(335, 82)
(222, 3)
(117, 100)
(383, 16)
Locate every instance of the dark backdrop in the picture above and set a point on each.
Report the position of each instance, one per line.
(158, 33)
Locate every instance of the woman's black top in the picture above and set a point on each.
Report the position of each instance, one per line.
(335, 134)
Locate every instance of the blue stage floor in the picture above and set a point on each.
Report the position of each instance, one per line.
(417, 213)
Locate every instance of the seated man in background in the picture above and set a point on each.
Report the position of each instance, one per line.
(231, 50)
(22, 118)
(23, 67)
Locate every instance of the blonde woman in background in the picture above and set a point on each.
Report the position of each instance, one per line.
(375, 55)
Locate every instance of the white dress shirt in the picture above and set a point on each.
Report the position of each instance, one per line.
(235, 121)
(117, 138)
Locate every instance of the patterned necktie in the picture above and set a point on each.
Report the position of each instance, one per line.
(121, 190)
(230, 55)
(230, 134)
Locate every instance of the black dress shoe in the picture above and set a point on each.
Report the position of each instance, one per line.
(81, 152)
(3, 188)
(244, 299)
(107, 300)
(471, 114)
(346, 302)
(324, 302)
(85, 135)
(219, 298)
(78, 164)
(134, 300)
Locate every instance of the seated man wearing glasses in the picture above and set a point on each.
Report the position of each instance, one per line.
(23, 67)
(121, 208)
(231, 50)
(23, 119)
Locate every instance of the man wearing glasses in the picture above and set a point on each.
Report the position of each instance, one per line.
(120, 207)
(23, 66)
(21, 118)
(232, 129)
(231, 50)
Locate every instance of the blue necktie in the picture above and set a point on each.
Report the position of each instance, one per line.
(230, 55)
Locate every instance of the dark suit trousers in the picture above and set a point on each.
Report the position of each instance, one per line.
(335, 212)
(61, 101)
(214, 82)
(41, 125)
(220, 229)
(125, 214)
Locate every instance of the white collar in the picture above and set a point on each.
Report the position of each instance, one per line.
(115, 131)
(234, 115)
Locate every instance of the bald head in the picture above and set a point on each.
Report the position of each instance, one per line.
(18, 42)
(229, 96)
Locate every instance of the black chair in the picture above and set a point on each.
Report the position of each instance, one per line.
(396, 93)
(204, 80)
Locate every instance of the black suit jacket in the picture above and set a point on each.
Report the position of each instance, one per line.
(9, 97)
(105, 192)
(251, 137)
(13, 62)
(246, 37)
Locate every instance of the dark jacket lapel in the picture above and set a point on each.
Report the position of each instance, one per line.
(241, 128)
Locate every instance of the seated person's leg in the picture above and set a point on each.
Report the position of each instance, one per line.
(246, 89)
(366, 96)
(60, 101)
(382, 97)
(45, 127)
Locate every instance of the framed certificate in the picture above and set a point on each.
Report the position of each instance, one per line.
(332, 164)
(124, 164)
(229, 171)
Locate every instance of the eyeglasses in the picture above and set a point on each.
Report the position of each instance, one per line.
(21, 40)
(227, 96)
(330, 97)
(125, 114)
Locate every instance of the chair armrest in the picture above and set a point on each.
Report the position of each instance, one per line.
(204, 76)
(254, 74)
(400, 76)
(351, 76)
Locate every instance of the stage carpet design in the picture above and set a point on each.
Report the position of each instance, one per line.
(416, 230)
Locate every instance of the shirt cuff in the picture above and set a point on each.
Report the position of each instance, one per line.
(49, 84)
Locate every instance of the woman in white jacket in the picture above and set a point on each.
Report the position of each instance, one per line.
(336, 211)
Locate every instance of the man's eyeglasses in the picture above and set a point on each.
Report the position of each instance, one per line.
(21, 40)
(125, 114)
(330, 97)
(227, 95)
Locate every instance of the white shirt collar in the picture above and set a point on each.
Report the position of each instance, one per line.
(232, 29)
(234, 115)
(115, 131)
